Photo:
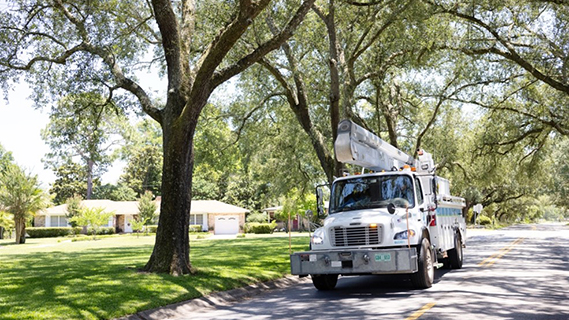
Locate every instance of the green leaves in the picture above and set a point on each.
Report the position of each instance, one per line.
(20, 193)
(143, 152)
(71, 180)
(147, 208)
(83, 128)
(21, 196)
(92, 217)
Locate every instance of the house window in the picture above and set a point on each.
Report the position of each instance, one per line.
(196, 219)
(58, 221)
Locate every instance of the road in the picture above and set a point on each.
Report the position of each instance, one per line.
(520, 272)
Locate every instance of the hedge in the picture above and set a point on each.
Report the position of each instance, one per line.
(193, 228)
(150, 228)
(102, 230)
(258, 228)
(52, 232)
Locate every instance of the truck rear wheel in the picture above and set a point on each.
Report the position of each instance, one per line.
(424, 277)
(324, 282)
(455, 255)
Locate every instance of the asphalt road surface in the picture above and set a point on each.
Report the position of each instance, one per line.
(520, 272)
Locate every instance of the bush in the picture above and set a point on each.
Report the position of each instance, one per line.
(102, 230)
(151, 228)
(259, 228)
(195, 228)
(484, 220)
(51, 232)
(257, 217)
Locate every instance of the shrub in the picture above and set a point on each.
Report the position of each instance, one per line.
(484, 220)
(257, 217)
(258, 228)
(195, 228)
(51, 232)
(102, 230)
(151, 228)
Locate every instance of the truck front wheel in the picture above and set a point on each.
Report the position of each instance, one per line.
(324, 282)
(424, 277)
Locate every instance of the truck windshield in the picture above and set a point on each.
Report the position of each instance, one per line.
(372, 192)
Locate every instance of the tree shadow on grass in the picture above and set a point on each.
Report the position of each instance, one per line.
(105, 282)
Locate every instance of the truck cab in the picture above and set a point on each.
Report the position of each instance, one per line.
(359, 215)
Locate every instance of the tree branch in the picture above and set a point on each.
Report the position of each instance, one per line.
(168, 25)
(249, 115)
(272, 44)
(289, 93)
(442, 98)
(364, 4)
(511, 53)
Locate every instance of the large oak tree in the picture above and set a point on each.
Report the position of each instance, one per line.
(77, 46)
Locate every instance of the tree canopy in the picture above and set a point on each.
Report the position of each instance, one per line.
(481, 85)
(95, 47)
(84, 128)
(21, 196)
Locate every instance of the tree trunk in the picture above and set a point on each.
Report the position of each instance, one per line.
(90, 164)
(20, 226)
(170, 255)
(391, 129)
(1, 233)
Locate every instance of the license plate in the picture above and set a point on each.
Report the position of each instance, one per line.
(382, 257)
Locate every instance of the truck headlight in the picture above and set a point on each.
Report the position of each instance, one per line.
(317, 237)
(403, 235)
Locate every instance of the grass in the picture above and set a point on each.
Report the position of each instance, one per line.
(47, 279)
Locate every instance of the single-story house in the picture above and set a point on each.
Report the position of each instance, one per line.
(272, 211)
(298, 221)
(216, 216)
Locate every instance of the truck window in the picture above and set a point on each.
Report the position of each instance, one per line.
(372, 192)
(419, 191)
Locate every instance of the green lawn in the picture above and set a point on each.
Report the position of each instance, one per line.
(59, 279)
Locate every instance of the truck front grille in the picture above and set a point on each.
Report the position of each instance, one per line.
(356, 236)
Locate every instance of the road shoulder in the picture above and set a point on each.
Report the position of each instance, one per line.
(183, 309)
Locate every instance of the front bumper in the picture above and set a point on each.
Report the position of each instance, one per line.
(360, 261)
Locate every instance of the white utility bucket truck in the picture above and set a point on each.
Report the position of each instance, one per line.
(396, 218)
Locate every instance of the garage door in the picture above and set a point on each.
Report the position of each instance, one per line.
(226, 224)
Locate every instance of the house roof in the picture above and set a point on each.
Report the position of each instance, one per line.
(271, 209)
(131, 207)
(214, 206)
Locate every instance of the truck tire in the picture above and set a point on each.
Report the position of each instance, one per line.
(424, 277)
(455, 255)
(324, 282)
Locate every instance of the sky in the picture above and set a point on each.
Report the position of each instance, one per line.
(21, 124)
(20, 133)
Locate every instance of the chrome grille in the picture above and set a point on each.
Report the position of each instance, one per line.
(356, 236)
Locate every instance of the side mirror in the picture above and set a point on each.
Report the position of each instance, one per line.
(319, 201)
(391, 208)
